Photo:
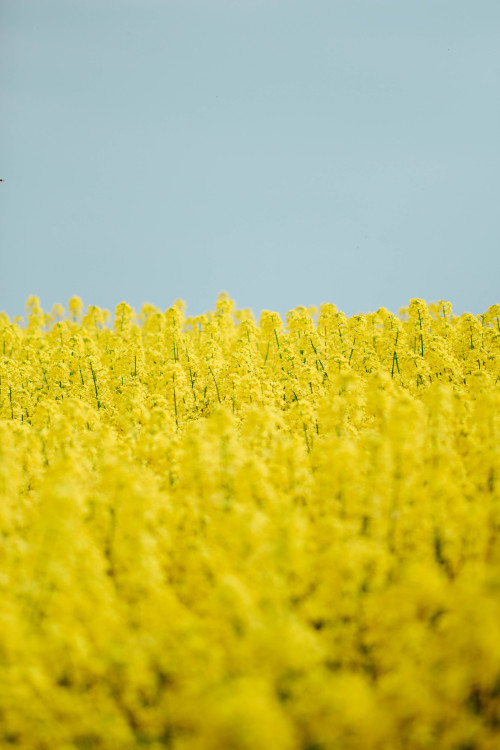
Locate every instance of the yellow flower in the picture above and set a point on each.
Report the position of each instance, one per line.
(218, 533)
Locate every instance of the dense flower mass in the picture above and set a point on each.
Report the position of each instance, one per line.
(218, 533)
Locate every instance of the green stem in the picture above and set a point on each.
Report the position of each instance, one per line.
(95, 386)
(216, 386)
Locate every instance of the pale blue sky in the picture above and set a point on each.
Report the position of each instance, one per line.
(288, 152)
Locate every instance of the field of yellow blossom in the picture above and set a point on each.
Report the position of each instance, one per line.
(224, 534)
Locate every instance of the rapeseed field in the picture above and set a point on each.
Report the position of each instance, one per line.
(222, 533)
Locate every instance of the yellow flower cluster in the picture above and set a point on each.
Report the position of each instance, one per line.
(218, 533)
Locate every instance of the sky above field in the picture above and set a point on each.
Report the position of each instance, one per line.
(289, 152)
